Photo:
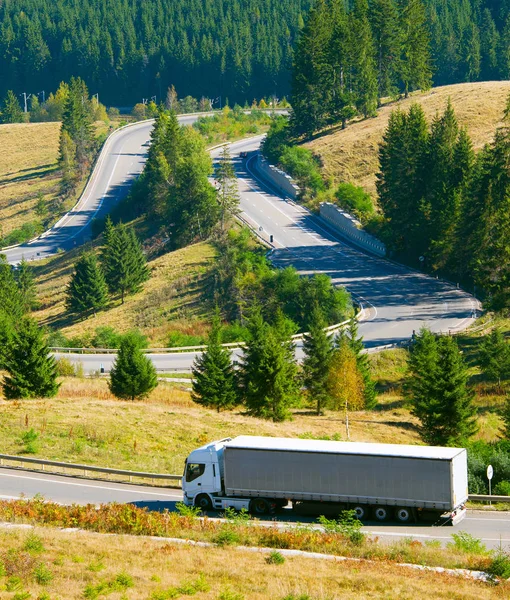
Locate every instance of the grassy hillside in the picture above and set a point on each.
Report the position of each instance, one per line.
(351, 154)
(28, 164)
(121, 566)
(172, 299)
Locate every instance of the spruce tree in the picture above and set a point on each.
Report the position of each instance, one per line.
(31, 370)
(67, 163)
(318, 349)
(437, 387)
(133, 375)
(415, 59)
(494, 356)
(26, 286)
(505, 416)
(87, 290)
(363, 362)
(228, 192)
(269, 382)
(11, 110)
(77, 121)
(123, 260)
(214, 382)
(384, 18)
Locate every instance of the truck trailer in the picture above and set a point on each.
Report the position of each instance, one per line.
(377, 481)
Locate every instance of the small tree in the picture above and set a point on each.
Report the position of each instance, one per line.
(269, 382)
(31, 370)
(87, 290)
(318, 349)
(11, 110)
(214, 381)
(345, 382)
(363, 362)
(228, 192)
(133, 375)
(26, 286)
(495, 356)
(505, 415)
(437, 386)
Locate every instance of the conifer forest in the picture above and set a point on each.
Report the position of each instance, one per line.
(241, 49)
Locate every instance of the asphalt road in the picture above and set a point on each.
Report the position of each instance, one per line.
(492, 528)
(396, 299)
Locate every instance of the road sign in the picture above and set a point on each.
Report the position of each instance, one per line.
(422, 258)
(490, 472)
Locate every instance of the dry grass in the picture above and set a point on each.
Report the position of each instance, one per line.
(150, 567)
(85, 424)
(352, 154)
(172, 299)
(28, 164)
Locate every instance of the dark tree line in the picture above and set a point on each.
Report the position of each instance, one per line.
(346, 60)
(445, 205)
(127, 49)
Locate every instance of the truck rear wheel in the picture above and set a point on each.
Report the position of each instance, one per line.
(203, 502)
(381, 513)
(404, 515)
(259, 506)
(361, 511)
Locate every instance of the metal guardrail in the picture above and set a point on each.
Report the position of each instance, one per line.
(487, 498)
(128, 475)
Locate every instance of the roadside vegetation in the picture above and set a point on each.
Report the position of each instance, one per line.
(47, 563)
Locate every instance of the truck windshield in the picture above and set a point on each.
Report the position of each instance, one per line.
(194, 470)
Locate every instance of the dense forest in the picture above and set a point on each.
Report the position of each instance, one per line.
(130, 49)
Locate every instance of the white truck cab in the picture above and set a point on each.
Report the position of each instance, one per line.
(203, 475)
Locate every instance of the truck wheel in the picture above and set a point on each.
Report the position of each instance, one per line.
(381, 513)
(259, 506)
(361, 511)
(403, 515)
(203, 502)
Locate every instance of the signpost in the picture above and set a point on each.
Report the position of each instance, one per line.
(490, 473)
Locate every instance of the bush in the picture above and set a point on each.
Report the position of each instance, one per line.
(43, 575)
(29, 438)
(227, 537)
(275, 558)
(499, 565)
(502, 488)
(465, 542)
(301, 164)
(355, 200)
(33, 543)
(176, 339)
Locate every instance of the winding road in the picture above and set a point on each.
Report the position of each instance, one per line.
(396, 299)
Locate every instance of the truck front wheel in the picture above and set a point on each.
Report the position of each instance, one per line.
(203, 502)
(381, 513)
(259, 506)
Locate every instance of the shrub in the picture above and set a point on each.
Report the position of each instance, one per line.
(176, 339)
(275, 558)
(502, 488)
(22, 596)
(192, 512)
(227, 537)
(65, 368)
(228, 594)
(301, 164)
(347, 525)
(499, 565)
(355, 200)
(42, 574)
(465, 542)
(33, 543)
(190, 588)
(29, 439)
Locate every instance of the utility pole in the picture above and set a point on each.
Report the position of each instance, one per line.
(154, 99)
(43, 96)
(25, 97)
(96, 96)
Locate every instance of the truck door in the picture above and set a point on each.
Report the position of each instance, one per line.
(198, 478)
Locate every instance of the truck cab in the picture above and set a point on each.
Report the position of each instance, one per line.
(203, 475)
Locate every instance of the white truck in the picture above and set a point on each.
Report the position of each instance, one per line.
(378, 481)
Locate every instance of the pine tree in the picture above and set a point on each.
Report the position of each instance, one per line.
(345, 382)
(123, 260)
(384, 18)
(415, 60)
(87, 290)
(26, 286)
(77, 121)
(494, 356)
(505, 415)
(214, 382)
(363, 77)
(269, 382)
(318, 350)
(67, 163)
(133, 375)
(31, 370)
(11, 110)
(363, 362)
(437, 386)
(228, 192)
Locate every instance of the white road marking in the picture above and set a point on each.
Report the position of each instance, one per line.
(96, 487)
